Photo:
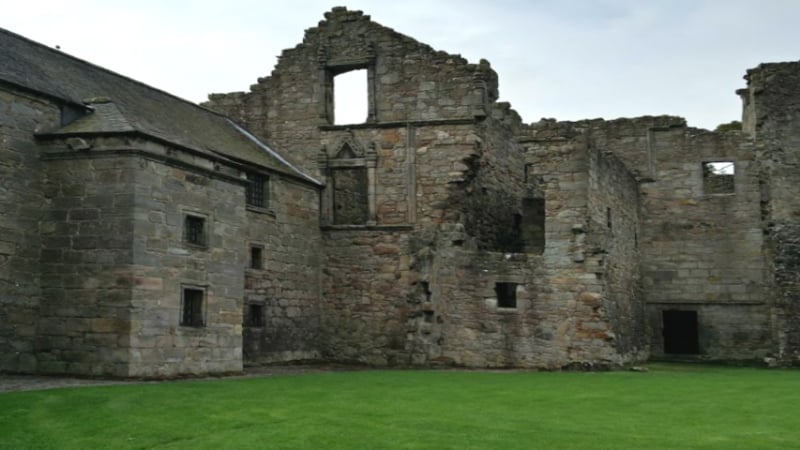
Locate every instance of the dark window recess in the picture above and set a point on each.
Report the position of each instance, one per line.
(192, 308)
(680, 332)
(350, 205)
(428, 316)
(257, 190)
(506, 295)
(254, 316)
(532, 227)
(194, 230)
(256, 257)
(608, 218)
(718, 177)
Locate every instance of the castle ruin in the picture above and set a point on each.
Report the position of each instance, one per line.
(144, 236)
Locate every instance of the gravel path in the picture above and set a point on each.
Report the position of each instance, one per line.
(9, 382)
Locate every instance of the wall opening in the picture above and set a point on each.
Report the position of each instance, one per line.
(254, 315)
(194, 230)
(350, 196)
(192, 300)
(506, 295)
(257, 190)
(532, 226)
(256, 257)
(680, 332)
(718, 177)
(350, 97)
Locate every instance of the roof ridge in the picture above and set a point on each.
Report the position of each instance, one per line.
(104, 69)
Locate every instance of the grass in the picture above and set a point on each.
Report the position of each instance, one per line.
(677, 407)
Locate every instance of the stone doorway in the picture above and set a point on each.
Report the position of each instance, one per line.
(680, 332)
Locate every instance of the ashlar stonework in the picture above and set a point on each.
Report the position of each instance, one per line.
(142, 235)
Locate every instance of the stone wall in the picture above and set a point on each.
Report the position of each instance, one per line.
(285, 290)
(167, 264)
(87, 235)
(21, 204)
(772, 118)
(407, 82)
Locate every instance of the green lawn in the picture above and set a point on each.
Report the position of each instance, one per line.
(676, 407)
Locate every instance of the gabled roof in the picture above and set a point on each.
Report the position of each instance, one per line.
(127, 105)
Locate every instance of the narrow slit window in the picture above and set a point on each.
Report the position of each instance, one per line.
(256, 257)
(718, 177)
(506, 295)
(350, 97)
(192, 307)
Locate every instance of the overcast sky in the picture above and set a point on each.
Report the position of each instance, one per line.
(564, 59)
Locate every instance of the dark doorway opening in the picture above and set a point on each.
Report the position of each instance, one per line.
(680, 332)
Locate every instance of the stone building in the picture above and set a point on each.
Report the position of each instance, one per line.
(142, 235)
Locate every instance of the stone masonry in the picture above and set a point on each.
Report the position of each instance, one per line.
(145, 236)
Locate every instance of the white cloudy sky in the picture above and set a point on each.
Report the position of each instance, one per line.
(568, 59)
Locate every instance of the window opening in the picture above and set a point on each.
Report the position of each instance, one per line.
(194, 230)
(254, 316)
(256, 257)
(718, 177)
(257, 190)
(428, 316)
(350, 97)
(506, 295)
(608, 218)
(192, 307)
(532, 226)
(680, 332)
(350, 197)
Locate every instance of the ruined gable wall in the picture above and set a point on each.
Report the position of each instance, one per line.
(21, 200)
(772, 118)
(409, 82)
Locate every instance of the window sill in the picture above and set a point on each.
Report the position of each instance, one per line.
(399, 227)
(260, 210)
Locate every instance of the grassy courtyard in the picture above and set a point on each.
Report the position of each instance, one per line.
(677, 407)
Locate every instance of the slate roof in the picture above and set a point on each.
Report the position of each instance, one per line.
(121, 104)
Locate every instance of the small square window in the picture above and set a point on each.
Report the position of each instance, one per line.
(718, 177)
(254, 316)
(256, 257)
(192, 307)
(194, 230)
(506, 295)
(257, 190)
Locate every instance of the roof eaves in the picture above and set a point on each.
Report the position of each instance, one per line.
(274, 154)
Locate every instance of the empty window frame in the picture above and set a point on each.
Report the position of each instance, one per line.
(193, 307)
(533, 221)
(257, 190)
(194, 230)
(506, 294)
(254, 316)
(350, 97)
(256, 257)
(718, 177)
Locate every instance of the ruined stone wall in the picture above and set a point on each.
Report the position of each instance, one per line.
(613, 255)
(21, 204)
(286, 288)
(407, 82)
(87, 236)
(166, 264)
(772, 118)
(704, 249)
